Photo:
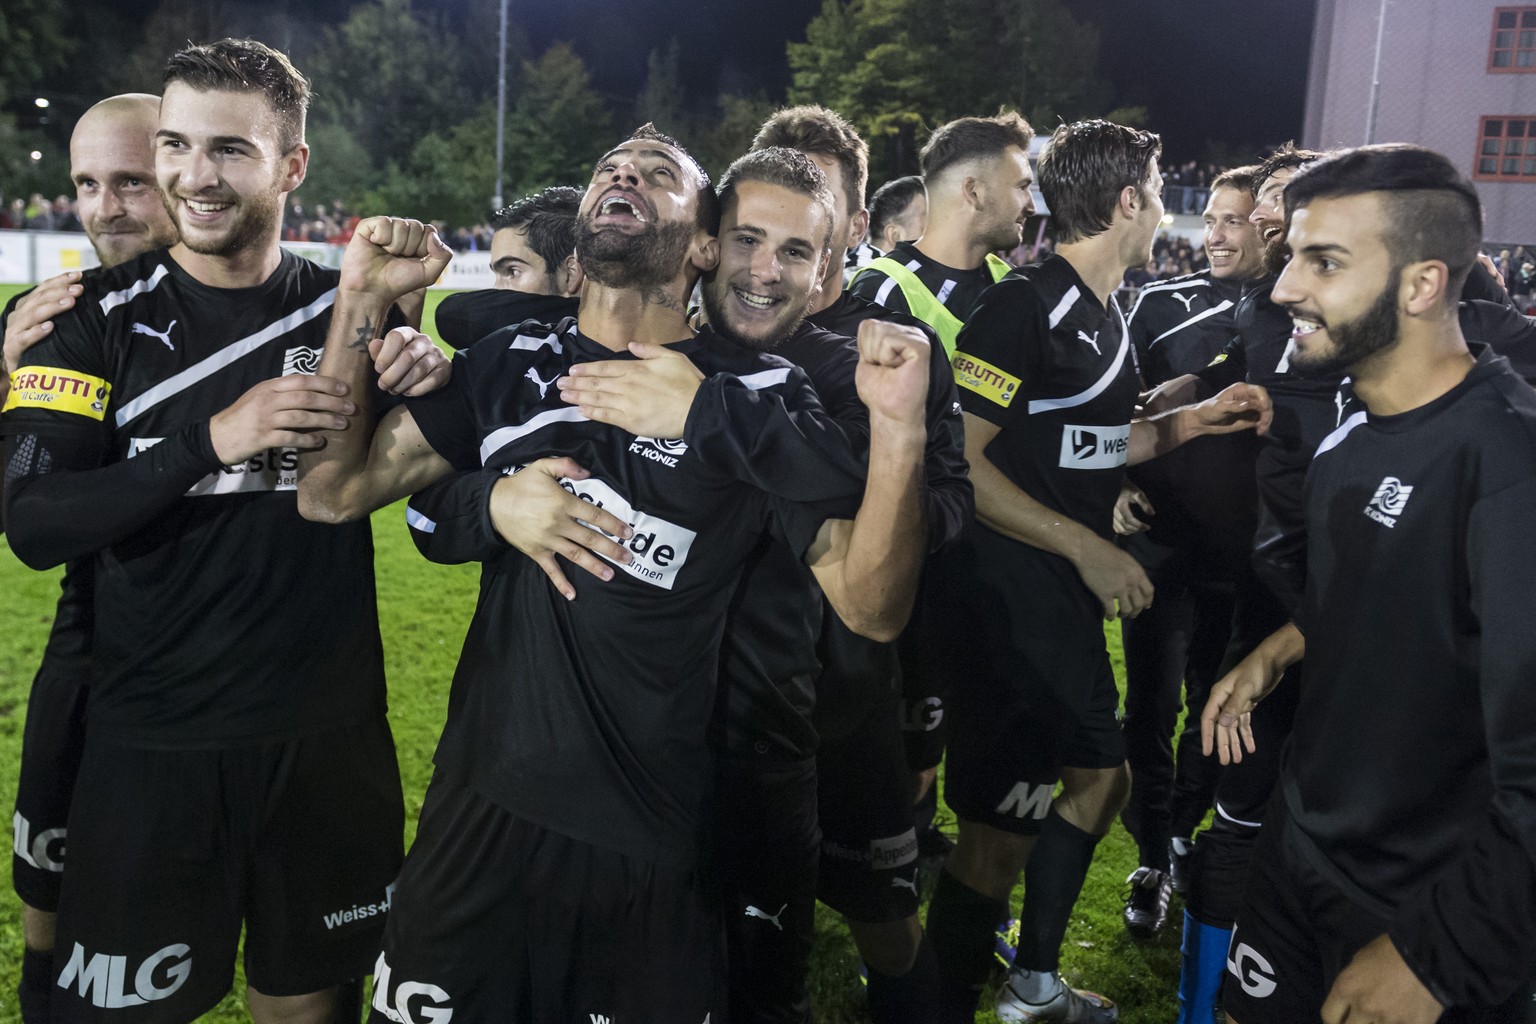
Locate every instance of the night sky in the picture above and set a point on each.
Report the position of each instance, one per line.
(1229, 71)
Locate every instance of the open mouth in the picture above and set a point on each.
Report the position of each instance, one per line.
(1223, 254)
(619, 205)
(1269, 234)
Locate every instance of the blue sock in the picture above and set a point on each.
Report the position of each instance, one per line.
(1205, 964)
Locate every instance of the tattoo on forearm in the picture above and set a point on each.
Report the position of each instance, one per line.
(364, 336)
(661, 297)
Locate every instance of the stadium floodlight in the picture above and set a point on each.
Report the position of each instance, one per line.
(37, 155)
(41, 102)
(501, 103)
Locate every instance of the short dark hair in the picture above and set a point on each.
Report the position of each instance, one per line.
(709, 206)
(1288, 157)
(813, 129)
(1432, 211)
(891, 201)
(548, 218)
(1084, 169)
(967, 138)
(246, 65)
(1244, 179)
(786, 168)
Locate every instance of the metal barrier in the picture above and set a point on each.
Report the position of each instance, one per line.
(27, 257)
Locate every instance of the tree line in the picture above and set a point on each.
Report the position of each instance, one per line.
(404, 111)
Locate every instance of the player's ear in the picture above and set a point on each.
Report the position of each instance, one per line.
(706, 251)
(970, 188)
(570, 276)
(1422, 287)
(1130, 200)
(858, 228)
(295, 166)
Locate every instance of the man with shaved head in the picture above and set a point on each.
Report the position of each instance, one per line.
(111, 156)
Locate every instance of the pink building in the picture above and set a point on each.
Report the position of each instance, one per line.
(1458, 76)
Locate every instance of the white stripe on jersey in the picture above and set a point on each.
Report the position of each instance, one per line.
(1165, 286)
(1226, 304)
(416, 521)
(1047, 404)
(172, 386)
(498, 439)
(943, 293)
(112, 300)
(1064, 306)
(1237, 821)
(765, 378)
(1332, 440)
(530, 342)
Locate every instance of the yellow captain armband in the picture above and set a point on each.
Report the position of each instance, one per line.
(986, 380)
(48, 387)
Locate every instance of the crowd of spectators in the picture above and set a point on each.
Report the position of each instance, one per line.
(1518, 269)
(1187, 186)
(40, 214)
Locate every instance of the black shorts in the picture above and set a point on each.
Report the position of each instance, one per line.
(1031, 692)
(171, 850)
(1298, 929)
(51, 746)
(766, 850)
(498, 919)
(868, 867)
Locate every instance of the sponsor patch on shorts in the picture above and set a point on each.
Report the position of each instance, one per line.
(48, 387)
(986, 380)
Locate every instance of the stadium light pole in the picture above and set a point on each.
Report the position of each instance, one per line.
(1370, 116)
(501, 103)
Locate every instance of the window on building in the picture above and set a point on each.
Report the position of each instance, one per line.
(1506, 149)
(1513, 47)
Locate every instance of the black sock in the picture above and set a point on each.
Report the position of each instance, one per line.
(349, 1002)
(963, 926)
(1052, 879)
(36, 989)
(910, 998)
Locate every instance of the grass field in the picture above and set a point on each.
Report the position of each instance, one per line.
(424, 609)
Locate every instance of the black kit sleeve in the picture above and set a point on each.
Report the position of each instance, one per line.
(61, 504)
(779, 439)
(450, 522)
(1470, 933)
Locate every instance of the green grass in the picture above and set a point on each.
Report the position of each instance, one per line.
(424, 610)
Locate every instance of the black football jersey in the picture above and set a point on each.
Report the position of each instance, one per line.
(1053, 368)
(227, 617)
(1413, 758)
(589, 717)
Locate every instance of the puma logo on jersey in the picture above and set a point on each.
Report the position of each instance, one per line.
(164, 335)
(902, 883)
(772, 919)
(543, 385)
(1082, 336)
(1186, 299)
